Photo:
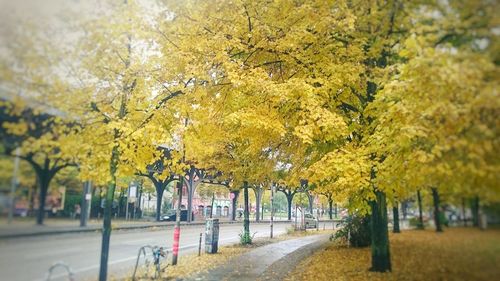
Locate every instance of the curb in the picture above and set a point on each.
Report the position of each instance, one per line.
(126, 227)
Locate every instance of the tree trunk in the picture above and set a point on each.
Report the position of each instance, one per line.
(475, 211)
(395, 215)
(246, 222)
(190, 193)
(258, 197)
(44, 186)
(381, 259)
(289, 199)
(420, 223)
(437, 216)
(44, 178)
(464, 219)
(404, 208)
(330, 208)
(159, 198)
(106, 228)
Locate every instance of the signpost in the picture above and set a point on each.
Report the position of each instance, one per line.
(131, 196)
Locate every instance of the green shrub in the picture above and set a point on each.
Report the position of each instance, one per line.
(69, 204)
(442, 219)
(356, 229)
(414, 222)
(245, 238)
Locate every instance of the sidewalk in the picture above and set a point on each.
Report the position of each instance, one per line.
(25, 228)
(270, 262)
(60, 226)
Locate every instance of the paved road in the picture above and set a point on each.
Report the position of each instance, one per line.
(30, 258)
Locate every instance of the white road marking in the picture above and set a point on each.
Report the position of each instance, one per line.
(96, 266)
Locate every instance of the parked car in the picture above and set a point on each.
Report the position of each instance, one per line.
(310, 221)
(172, 216)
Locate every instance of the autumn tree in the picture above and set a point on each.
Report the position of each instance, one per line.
(122, 102)
(30, 117)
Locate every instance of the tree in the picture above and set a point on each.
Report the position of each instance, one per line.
(44, 134)
(122, 105)
(160, 175)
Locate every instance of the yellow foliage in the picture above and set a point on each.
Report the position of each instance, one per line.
(457, 254)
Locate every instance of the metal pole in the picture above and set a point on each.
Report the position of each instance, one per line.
(14, 185)
(177, 229)
(272, 209)
(126, 205)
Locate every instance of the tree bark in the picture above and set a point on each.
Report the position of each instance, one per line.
(381, 259)
(246, 221)
(420, 223)
(330, 207)
(258, 199)
(44, 176)
(437, 216)
(44, 186)
(395, 215)
(106, 228)
(190, 193)
(289, 199)
(160, 188)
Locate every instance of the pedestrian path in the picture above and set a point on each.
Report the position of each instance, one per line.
(270, 262)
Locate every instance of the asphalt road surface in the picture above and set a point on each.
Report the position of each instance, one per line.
(30, 258)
